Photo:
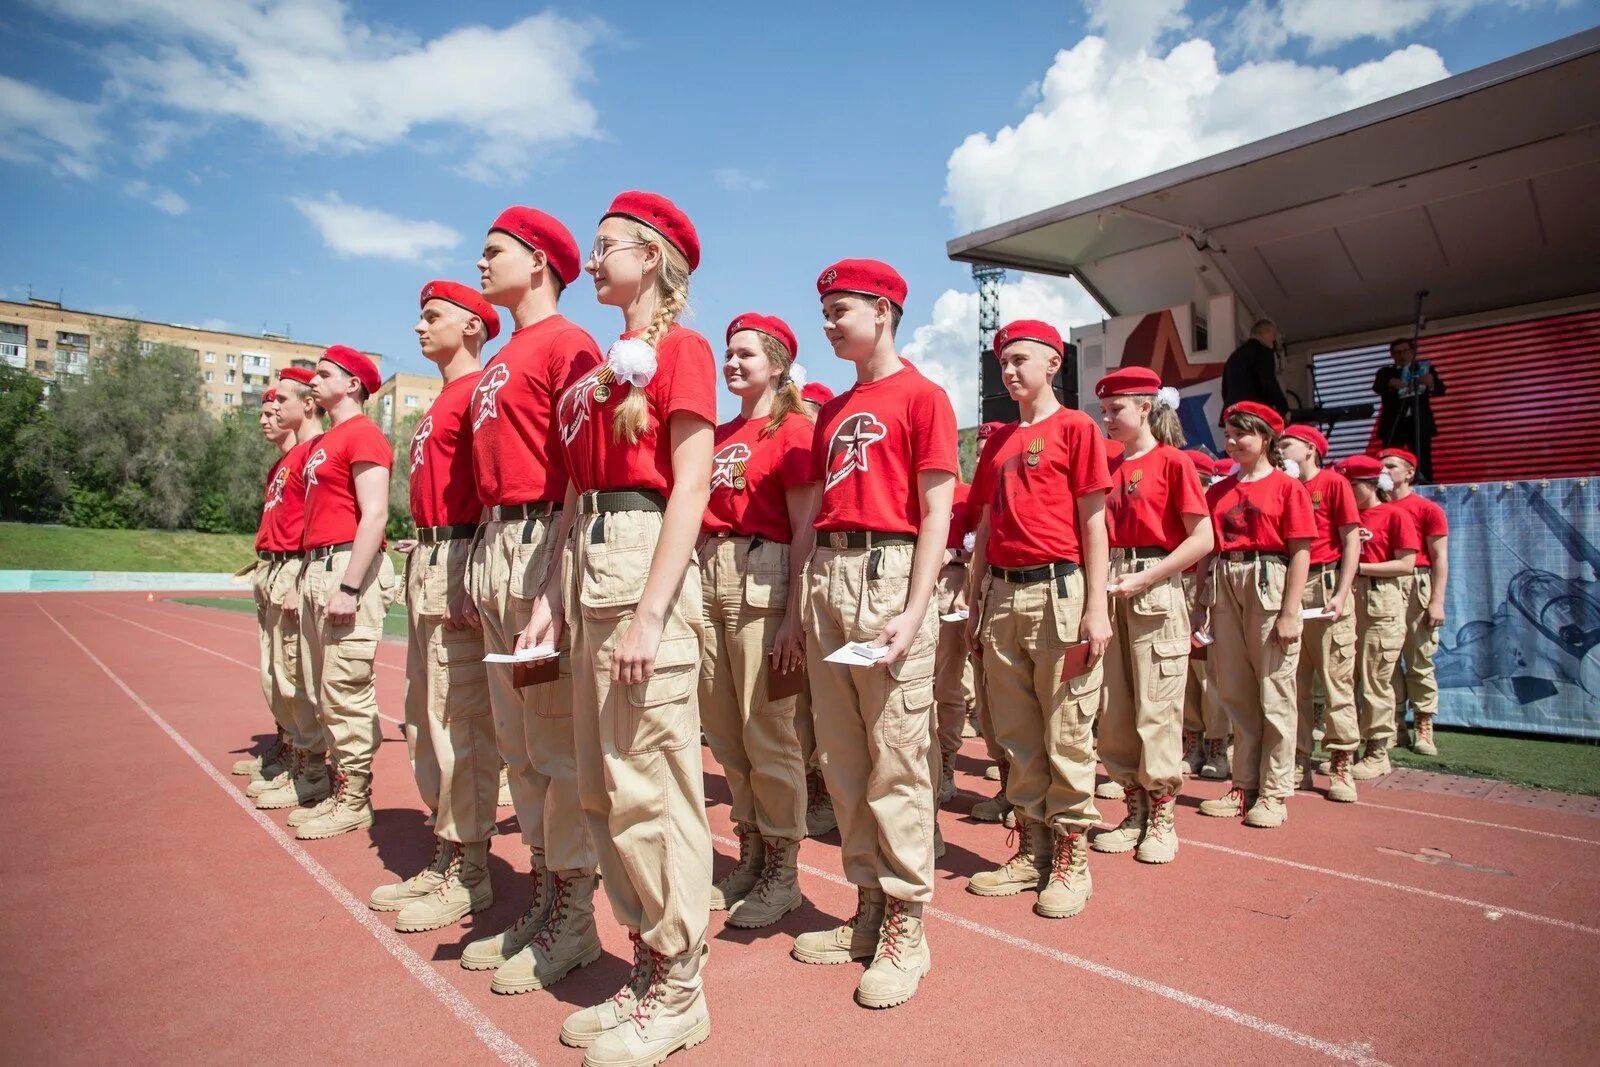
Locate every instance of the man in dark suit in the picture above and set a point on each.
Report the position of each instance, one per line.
(1251, 372)
(1404, 390)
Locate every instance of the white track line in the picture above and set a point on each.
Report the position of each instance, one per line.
(1360, 1053)
(495, 1039)
(203, 648)
(1370, 806)
(178, 613)
(1400, 887)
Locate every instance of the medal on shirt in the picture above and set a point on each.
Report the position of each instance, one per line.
(602, 390)
(1133, 480)
(1035, 447)
(1316, 499)
(738, 476)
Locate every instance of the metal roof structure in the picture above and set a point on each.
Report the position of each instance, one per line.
(1483, 188)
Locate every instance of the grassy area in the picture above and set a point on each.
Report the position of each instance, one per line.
(394, 624)
(25, 546)
(1568, 766)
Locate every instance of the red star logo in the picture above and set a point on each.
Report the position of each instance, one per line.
(1155, 343)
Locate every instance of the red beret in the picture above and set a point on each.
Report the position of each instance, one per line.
(1205, 464)
(1249, 407)
(303, 375)
(867, 277)
(356, 365)
(816, 393)
(987, 430)
(1311, 436)
(269, 397)
(544, 232)
(1129, 381)
(770, 325)
(1399, 453)
(663, 216)
(465, 298)
(1027, 330)
(1360, 468)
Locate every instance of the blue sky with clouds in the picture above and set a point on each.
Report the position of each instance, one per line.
(308, 164)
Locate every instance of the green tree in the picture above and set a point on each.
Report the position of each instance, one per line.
(24, 422)
(229, 481)
(400, 524)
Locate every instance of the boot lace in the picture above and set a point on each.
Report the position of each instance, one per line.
(546, 934)
(1339, 764)
(452, 871)
(1063, 856)
(1425, 728)
(638, 973)
(818, 791)
(1214, 748)
(1020, 836)
(771, 868)
(894, 928)
(652, 978)
(1236, 794)
(1161, 814)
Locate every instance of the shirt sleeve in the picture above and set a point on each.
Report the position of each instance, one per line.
(819, 443)
(371, 447)
(686, 378)
(1403, 533)
(982, 492)
(1086, 451)
(1186, 491)
(1436, 523)
(1299, 524)
(933, 432)
(573, 354)
(1342, 509)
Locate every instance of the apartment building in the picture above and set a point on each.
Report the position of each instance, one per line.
(403, 395)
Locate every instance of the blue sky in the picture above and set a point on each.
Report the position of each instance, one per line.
(172, 160)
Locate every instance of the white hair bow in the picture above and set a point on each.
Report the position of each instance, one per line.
(632, 360)
(797, 375)
(1168, 397)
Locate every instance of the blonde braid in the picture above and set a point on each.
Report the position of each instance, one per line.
(672, 291)
(786, 399)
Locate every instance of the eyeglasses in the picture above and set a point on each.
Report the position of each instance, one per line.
(604, 246)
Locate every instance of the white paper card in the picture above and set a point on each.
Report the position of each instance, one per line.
(527, 655)
(1202, 638)
(1315, 613)
(856, 654)
(955, 616)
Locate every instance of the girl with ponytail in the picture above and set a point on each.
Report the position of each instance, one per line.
(637, 434)
(755, 539)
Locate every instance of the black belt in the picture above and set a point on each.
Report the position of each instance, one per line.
(1146, 552)
(603, 502)
(843, 539)
(538, 509)
(1423, 570)
(277, 557)
(432, 535)
(1034, 574)
(1318, 568)
(1252, 556)
(324, 551)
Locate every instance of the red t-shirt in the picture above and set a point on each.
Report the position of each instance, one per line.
(1263, 515)
(1333, 505)
(283, 512)
(685, 380)
(872, 441)
(516, 456)
(1391, 531)
(1149, 498)
(1033, 514)
(444, 489)
(960, 516)
(752, 473)
(331, 483)
(1430, 519)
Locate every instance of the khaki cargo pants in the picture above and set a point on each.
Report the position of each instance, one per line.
(1327, 659)
(745, 583)
(339, 659)
(1381, 608)
(447, 698)
(533, 726)
(1042, 724)
(1255, 675)
(290, 694)
(1146, 669)
(261, 587)
(640, 776)
(1415, 680)
(1202, 711)
(873, 732)
(953, 684)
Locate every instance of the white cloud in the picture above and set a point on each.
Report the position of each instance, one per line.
(353, 230)
(157, 196)
(1325, 24)
(1136, 25)
(39, 126)
(735, 180)
(321, 80)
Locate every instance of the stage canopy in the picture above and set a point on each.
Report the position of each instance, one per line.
(1483, 188)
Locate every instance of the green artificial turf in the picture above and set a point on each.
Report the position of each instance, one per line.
(25, 546)
(1568, 766)
(394, 623)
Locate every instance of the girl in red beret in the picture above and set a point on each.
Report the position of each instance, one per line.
(1157, 521)
(755, 540)
(638, 433)
(1041, 623)
(1257, 577)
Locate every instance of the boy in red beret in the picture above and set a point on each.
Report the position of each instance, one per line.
(885, 452)
(454, 757)
(1415, 681)
(1327, 649)
(1205, 724)
(346, 585)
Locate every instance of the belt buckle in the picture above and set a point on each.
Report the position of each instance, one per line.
(838, 540)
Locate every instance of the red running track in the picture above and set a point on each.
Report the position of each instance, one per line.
(152, 917)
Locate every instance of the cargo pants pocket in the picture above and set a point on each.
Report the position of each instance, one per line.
(653, 715)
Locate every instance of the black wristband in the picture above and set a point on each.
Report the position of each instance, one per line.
(353, 590)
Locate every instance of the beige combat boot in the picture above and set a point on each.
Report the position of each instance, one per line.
(902, 957)
(503, 798)
(351, 809)
(1069, 887)
(1160, 841)
(1025, 870)
(1131, 830)
(311, 785)
(855, 939)
(583, 1028)
(1423, 745)
(745, 874)
(947, 779)
(1194, 753)
(1230, 805)
(1216, 767)
(464, 889)
(1109, 790)
(1267, 813)
(565, 941)
(273, 760)
(670, 1014)
(487, 953)
(997, 808)
(278, 780)
(1374, 762)
(399, 894)
(778, 891)
(820, 818)
(1342, 783)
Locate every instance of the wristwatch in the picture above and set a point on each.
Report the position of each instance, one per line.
(353, 590)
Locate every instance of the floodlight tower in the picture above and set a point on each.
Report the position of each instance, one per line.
(991, 390)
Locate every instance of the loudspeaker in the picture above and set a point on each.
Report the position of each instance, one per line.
(997, 403)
